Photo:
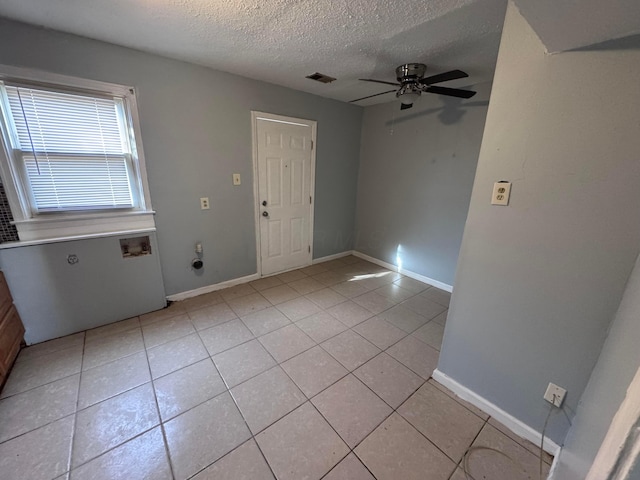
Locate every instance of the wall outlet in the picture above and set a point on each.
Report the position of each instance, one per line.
(501, 192)
(236, 179)
(555, 394)
(204, 203)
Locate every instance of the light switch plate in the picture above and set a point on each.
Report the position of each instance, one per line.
(501, 192)
(204, 203)
(236, 179)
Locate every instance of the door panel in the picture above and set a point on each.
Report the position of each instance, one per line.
(284, 182)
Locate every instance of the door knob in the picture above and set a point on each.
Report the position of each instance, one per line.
(265, 214)
(264, 203)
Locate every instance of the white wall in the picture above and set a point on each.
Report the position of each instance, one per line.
(196, 131)
(416, 172)
(538, 282)
(616, 367)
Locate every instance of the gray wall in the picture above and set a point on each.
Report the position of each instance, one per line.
(616, 367)
(538, 282)
(55, 298)
(416, 175)
(196, 131)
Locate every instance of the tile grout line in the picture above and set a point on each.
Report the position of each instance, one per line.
(155, 400)
(279, 364)
(75, 414)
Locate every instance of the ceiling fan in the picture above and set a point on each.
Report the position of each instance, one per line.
(412, 83)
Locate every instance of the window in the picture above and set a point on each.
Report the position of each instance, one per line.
(73, 158)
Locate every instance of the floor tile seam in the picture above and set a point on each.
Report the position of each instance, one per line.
(270, 331)
(189, 310)
(351, 451)
(276, 363)
(110, 449)
(48, 382)
(230, 348)
(109, 337)
(262, 429)
(198, 330)
(424, 436)
(418, 313)
(330, 306)
(235, 297)
(174, 416)
(332, 356)
(151, 322)
(112, 361)
(40, 357)
(459, 464)
(275, 304)
(433, 442)
(398, 360)
(385, 348)
(253, 436)
(19, 361)
(458, 400)
(38, 428)
(170, 340)
(78, 409)
(162, 430)
(286, 359)
(143, 349)
(75, 414)
(519, 442)
(423, 381)
(326, 339)
(294, 321)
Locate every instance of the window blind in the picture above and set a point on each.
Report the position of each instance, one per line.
(74, 147)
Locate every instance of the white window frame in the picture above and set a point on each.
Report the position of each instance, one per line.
(65, 225)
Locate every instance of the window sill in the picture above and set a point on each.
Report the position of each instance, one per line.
(78, 226)
(7, 245)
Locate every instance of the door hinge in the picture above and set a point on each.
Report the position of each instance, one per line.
(311, 144)
(309, 199)
(309, 248)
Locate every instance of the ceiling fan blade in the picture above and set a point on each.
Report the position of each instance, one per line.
(451, 92)
(444, 77)
(404, 106)
(370, 96)
(379, 81)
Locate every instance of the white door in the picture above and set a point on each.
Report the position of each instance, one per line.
(284, 161)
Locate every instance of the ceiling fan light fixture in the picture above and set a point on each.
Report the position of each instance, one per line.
(409, 97)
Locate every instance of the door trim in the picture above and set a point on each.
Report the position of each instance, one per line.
(255, 115)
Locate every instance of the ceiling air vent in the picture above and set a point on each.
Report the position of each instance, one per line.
(320, 77)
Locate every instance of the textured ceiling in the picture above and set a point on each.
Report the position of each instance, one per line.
(571, 24)
(282, 41)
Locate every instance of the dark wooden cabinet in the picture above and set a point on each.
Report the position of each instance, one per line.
(11, 330)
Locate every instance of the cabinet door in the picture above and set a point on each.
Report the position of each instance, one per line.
(11, 332)
(5, 296)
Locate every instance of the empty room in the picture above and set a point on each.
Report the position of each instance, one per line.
(319, 240)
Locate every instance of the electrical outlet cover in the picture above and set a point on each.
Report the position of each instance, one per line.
(501, 193)
(555, 394)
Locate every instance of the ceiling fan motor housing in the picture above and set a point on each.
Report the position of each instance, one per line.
(410, 72)
(409, 76)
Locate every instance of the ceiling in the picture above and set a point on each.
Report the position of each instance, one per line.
(572, 24)
(282, 41)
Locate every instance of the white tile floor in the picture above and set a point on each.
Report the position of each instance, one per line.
(323, 372)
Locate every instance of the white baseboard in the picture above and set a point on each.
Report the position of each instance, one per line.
(408, 273)
(516, 426)
(212, 288)
(335, 256)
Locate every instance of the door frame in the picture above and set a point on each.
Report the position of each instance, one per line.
(255, 115)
